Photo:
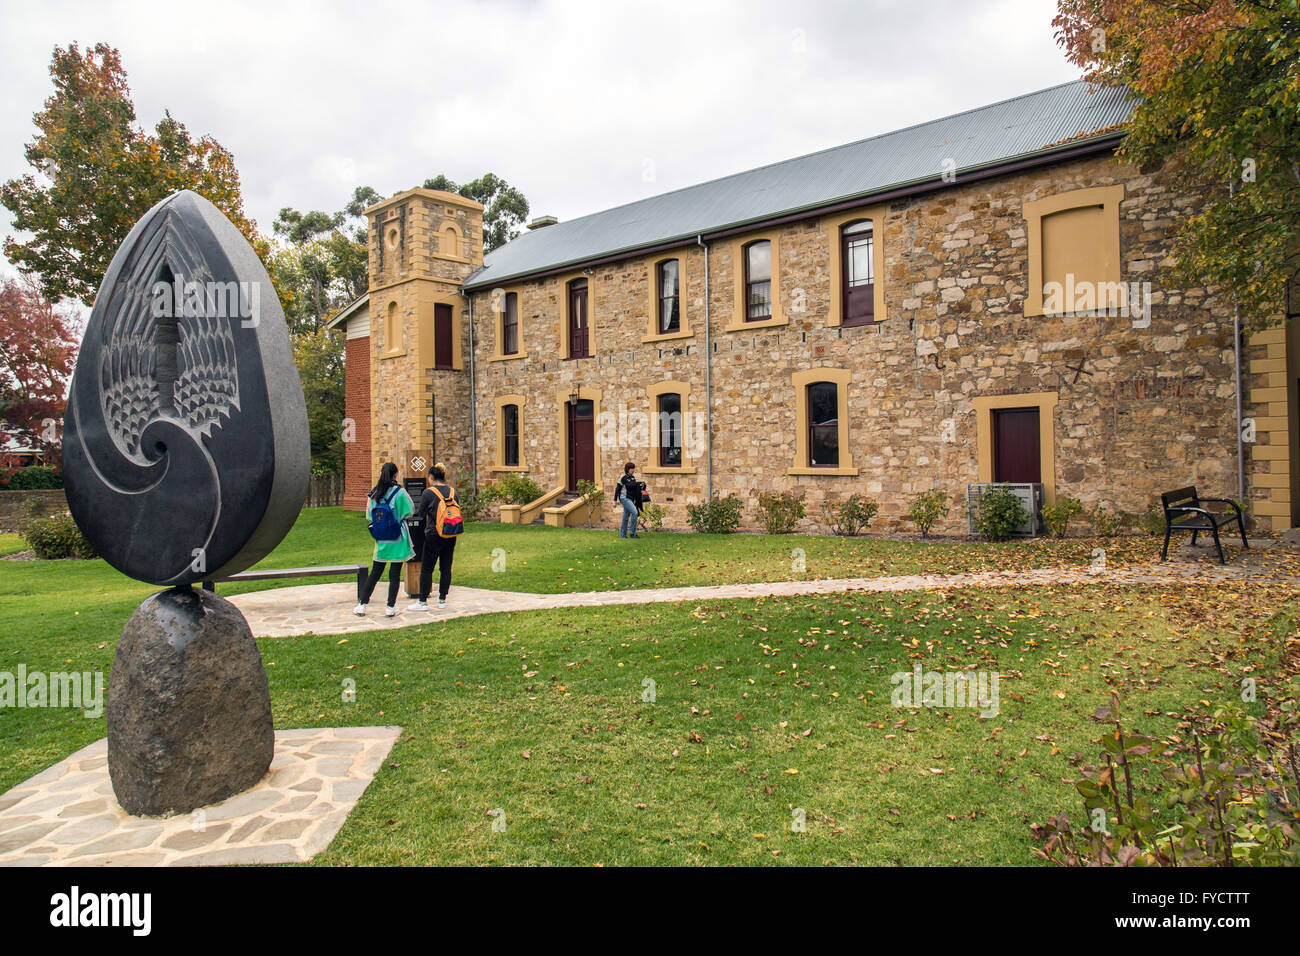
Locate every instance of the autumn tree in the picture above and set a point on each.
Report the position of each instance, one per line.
(38, 348)
(504, 206)
(96, 172)
(1217, 85)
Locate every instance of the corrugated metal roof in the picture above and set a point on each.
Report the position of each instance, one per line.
(989, 135)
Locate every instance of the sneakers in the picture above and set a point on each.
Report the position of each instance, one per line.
(418, 606)
(390, 611)
(359, 610)
(442, 603)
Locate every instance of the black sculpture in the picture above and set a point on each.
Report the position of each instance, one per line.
(186, 457)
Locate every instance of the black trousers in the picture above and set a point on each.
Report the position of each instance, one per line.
(394, 582)
(437, 551)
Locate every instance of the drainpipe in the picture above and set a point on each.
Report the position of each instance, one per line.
(708, 379)
(1236, 351)
(473, 400)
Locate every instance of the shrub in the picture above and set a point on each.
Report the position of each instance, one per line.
(999, 513)
(1057, 517)
(1107, 524)
(57, 537)
(593, 494)
(715, 516)
(519, 490)
(780, 511)
(851, 516)
(653, 516)
(35, 478)
(925, 508)
(1152, 521)
(475, 505)
(1230, 797)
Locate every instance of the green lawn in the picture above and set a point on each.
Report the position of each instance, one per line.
(11, 544)
(540, 714)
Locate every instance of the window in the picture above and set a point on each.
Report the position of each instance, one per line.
(579, 329)
(669, 297)
(1074, 252)
(392, 330)
(758, 281)
(669, 423)
(442, 337)
(510, 435)
(823, 425)
(510, 325)
(857, 266)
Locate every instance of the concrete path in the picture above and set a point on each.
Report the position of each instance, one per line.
(327, 608)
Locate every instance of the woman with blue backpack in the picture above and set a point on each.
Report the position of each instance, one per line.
(386, 506)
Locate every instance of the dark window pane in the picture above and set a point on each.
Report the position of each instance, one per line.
(670, 430)
(510, 325)
(758, 281)
(669, 293)
(823, 425)
(579, 341)
(858, 266)
(510, 414)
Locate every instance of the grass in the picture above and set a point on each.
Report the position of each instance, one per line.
(540, 714)
(11, 544)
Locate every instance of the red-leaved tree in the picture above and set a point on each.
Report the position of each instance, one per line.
(38, 347)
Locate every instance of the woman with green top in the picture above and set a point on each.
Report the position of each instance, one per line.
(392, 502)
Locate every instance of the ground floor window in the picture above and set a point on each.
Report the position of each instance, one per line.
(823, 425)
(670, 430)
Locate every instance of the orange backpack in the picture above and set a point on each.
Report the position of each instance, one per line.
(448, 521)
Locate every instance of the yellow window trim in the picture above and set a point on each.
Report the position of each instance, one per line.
(564, 313)
(1108, 197)
(1046, 403)
(499, 463)
(801, 380)
(450, 225)
(562, 398)
(387, 350)
(498, 322)
(835, 314)
(427, 298)
(668, 386)
(652, 325)
(737, 322)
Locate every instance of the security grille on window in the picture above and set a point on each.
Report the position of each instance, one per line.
(758, 281)
(823, 425)
(858, 254)
(670, 430)
(669, 297)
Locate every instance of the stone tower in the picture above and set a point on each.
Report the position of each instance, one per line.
(423, 243)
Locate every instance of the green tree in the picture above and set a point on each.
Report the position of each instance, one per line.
(95, 173)
(504, 207)
(1218, 87)
(319, 357)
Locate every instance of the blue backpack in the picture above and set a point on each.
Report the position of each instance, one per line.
(384, 523)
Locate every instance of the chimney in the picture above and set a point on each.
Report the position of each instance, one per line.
(541, 222)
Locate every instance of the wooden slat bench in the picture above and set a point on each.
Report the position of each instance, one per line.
(1185, 511)
(271, 574)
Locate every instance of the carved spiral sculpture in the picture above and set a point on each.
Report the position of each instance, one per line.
(185, 450)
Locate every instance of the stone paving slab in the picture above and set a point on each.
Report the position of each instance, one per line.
(67, 815)
(326, 609)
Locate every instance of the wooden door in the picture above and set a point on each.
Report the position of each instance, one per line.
(1017, 455)
(582, 443)
(579, 340)
(442, 344)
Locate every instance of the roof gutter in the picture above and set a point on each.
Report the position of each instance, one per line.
(1080, 150)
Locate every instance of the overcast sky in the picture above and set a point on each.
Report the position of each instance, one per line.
(582, 105)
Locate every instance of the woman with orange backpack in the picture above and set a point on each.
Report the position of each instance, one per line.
(443, 524)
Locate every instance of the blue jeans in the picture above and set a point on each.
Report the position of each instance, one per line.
(630, 515)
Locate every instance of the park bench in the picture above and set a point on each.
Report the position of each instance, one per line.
(271, 574)
(1185, 511)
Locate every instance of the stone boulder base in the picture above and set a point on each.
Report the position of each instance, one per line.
(189, 710)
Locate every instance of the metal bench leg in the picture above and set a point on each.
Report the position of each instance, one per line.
(1241, 526)
(210, 586)
(1217, 544)
(1164, 552)
(1194, 534)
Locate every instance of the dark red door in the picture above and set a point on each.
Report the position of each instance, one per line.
(442, 349)
(582, 443)
(579, 342)
(1017, 456)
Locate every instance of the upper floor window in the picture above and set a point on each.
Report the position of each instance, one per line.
(823, 425)
(579, 327)
(669, 297)
(510, 435)
(758, 281)
(510, 325)
(857, 266)
(1074, 252)
(670, 430)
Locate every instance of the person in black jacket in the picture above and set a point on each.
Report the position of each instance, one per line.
(628, 491)
(438, 551)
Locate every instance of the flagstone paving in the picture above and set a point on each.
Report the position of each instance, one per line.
(67, 815)
(326, 609)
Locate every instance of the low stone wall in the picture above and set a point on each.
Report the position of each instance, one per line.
(18, 507)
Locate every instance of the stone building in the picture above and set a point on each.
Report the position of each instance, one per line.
(979, 298)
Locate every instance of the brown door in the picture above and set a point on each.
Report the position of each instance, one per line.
(582, 443)
(442, 336)
(1016, 453)
(579, 342)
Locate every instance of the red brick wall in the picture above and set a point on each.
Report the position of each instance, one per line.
(357, 479)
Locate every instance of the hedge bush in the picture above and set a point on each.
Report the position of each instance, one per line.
(715, 516)
(998, 513)
(1057, 517)
(35, 478)
(925, 508)
(780, 511)
(57, 536)
(851, 516)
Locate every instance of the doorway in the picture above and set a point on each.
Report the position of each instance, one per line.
(582, 442)
(1017, 451)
